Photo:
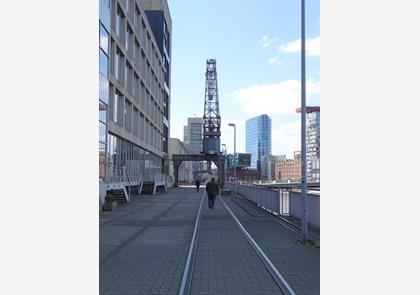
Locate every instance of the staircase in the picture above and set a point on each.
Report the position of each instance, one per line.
(148, 187)
(119, 195)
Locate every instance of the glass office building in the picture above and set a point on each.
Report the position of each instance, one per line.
(258, 139)
(134, 76)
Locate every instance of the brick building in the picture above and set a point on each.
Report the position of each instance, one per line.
(288, 169)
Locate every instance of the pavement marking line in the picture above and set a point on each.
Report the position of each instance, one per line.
(281, 282)
(184, 289)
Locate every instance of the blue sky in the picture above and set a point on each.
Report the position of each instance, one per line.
(258, 63)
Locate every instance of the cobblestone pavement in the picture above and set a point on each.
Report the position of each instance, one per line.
(144, 244)
(225, 263)
(299, 264)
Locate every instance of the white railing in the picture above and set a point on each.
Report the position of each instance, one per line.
(274, 201)
(281, 201)
(116, 174)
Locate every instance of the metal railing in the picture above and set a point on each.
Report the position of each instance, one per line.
(274, 201)
(133, 174)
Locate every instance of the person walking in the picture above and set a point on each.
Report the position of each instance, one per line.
(197, 184)
(212, 191)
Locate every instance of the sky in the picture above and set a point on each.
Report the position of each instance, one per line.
(257, 47)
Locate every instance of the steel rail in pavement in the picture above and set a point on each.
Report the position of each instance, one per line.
(278, 278)
(184, 289)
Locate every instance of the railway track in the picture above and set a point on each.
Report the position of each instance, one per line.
(187, 278)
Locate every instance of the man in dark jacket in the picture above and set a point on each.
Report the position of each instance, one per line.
(197, 184)
(212, 191)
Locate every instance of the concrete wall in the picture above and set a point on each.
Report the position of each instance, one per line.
(102, 193)
(313, 207)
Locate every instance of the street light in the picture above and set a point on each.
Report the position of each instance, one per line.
(303, 201)
(234, 155)
(224, 166)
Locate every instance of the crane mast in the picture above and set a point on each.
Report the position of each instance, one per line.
(211, 118)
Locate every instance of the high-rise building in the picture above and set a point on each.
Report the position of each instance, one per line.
(193, 138)
(193, 135)
(133, 97)
(258, 139)
(312, 142)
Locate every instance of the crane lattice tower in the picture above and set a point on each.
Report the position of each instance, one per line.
(211, 118)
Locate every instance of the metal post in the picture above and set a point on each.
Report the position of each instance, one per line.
(304, 222)
(234, 157)
(224, 162)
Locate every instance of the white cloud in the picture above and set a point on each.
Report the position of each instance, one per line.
(281, 98)
(286, 139)
(312, 46)
(275, 61)
(266, 41)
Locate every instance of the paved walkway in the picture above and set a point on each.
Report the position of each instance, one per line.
(299, 264)
(225, 262)
(144, 245)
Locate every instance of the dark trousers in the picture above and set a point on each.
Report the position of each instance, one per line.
(211, 201)
(198, 188)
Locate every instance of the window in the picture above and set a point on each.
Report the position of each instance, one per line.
(119, 24)
(102, 132)
(103, 39)
(103, 89)
(115, 107)
(129, 41)
(102, 159)
(103, 63)
(128, 118)
(104, 14)
(136, 87)
(102, 112)
(129, 78)
(119, 59)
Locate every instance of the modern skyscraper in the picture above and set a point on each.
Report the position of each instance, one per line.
(312, 142)
(258, 139)
(133, 96)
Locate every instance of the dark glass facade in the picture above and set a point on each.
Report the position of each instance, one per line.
(159, 26)
(258, 139)
(104, 23)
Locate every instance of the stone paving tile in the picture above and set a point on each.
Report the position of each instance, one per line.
(299, 264)
(148, 248)
(225, 263)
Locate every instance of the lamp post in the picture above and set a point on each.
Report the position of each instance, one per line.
(224, 166)
(234, 155)
(303, 201)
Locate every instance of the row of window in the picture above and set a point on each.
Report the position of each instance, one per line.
(125, 114)
(121, 152)
(130, 79)
(131, 38)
